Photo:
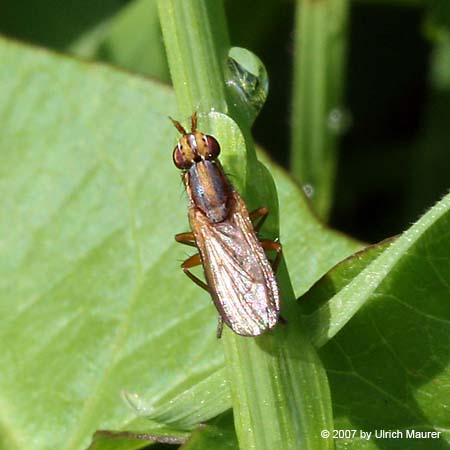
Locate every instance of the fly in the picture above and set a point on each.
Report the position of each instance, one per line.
(239, 276)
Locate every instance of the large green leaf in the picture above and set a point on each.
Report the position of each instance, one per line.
(92, 300)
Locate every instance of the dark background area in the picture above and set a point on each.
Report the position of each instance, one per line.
(388, 174)
(394, 162)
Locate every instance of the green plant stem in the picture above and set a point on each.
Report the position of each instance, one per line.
(279, 389)
(318, 88)
(197, 43)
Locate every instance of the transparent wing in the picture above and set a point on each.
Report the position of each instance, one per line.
(240, 277)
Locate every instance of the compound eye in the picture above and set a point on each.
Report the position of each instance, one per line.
(180, 160)
(213, 147)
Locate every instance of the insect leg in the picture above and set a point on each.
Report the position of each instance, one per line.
(273, 246)
(186, 239)
(282, 319)
(261, 214)
(219, 327)
(193, 261)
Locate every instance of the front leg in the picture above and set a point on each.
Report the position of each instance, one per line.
(194, 261)
(219, 327)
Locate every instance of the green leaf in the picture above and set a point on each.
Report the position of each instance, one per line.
(331, 317)
(91, 296)
(341, 275)
(52, 23)
(134, 41)
(203, 399)
(310, 248)
(389, 367)
(123, 33)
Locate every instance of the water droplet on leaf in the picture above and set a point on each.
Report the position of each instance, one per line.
(308, 190)
(247, 81)
(137, 403)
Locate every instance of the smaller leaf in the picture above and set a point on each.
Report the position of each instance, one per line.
(389, 366)
(331, 317)
(198, 403)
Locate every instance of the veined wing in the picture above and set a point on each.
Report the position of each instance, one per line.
(240, 277)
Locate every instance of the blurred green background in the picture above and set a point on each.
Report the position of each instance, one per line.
(394, 160)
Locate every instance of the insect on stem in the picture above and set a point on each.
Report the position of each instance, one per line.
(239, 276)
